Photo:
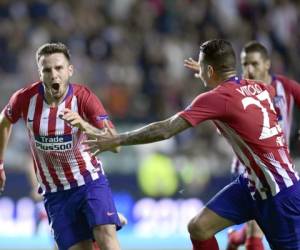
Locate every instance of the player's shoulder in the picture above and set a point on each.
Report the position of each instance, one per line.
(220, 92)
(81, 90)
(29, 89)
(230, 88)
(283, 79)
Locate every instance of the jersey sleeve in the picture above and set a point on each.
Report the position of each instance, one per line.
(94, 111)
(293, 88)
(207, 106)
(13, 110)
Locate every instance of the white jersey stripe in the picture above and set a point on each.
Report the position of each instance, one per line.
(44, 120)
(31, 109)
(60, 122)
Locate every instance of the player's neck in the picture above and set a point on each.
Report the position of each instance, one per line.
(219, 79)
(227, 76)
(54, 102)
(268, 79)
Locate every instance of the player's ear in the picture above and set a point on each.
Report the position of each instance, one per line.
(40, 72)
(71, 70)
(40, 75)
(210, 71)
(268, 64)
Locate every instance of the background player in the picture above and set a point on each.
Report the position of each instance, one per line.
(76, 192)
(256, 64)
(244, 113)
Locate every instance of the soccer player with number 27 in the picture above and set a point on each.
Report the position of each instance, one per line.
(244, 113)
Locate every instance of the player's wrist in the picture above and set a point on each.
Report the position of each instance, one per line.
(121, 139)
(1, 165)
(84, 126)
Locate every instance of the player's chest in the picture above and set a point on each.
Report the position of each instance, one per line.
(46, 121)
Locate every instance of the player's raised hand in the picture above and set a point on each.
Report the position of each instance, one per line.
(72, 118)
(190, 63)
(2, 178)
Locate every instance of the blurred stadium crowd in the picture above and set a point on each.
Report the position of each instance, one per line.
(131, 52)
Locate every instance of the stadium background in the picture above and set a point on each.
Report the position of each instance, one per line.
(131, 52)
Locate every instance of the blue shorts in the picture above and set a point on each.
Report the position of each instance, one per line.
(73, 213)
(278, 216)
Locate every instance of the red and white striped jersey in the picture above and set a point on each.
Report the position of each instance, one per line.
(287, 93)
(244, 113)
(59, 160)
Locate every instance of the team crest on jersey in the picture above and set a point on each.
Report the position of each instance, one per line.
(54, 142)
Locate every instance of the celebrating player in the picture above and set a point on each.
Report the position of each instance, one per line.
(244, 113)
(256, 65)
(76, 192)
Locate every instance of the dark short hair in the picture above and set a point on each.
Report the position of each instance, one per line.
(51, 48)
(254, 46)
(219, 54)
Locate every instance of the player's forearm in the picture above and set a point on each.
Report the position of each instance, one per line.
(86, 127)
(5, 131)
(153, 132)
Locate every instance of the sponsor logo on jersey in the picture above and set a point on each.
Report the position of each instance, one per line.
(54, 142)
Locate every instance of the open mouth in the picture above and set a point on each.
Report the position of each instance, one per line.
(55, 86)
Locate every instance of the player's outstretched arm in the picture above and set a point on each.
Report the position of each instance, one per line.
(5, 131)
(153, 132)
